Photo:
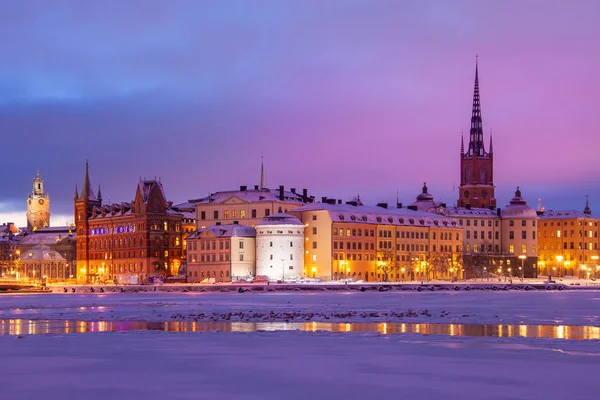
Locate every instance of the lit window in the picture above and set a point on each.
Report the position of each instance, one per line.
(511, 248)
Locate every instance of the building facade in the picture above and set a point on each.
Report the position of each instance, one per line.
(569, 243)
(280, 247)
(38, 205)
(221, 253)
(127, 242)
(346, 241)
(246, 206)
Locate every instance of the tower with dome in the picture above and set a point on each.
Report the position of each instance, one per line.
(38, 205)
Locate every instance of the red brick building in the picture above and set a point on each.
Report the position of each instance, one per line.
(127, 242)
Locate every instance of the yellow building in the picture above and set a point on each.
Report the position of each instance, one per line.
(568, 243)
(378, 244)
(245, 206)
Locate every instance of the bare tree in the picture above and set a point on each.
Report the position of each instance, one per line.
(386, 262)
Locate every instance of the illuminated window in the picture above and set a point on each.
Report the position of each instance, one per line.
(558, 233)
(226, 214)
(242, 213)
(511, 248)
(234, 214)
(524, 248)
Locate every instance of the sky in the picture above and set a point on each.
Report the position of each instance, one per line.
(342, 97)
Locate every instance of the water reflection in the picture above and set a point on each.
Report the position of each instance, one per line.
(40, 327)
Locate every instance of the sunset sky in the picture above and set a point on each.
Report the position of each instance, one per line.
(341, 97)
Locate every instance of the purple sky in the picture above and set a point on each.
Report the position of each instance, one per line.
(341, 97)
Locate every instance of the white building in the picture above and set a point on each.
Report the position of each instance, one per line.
(280, 247)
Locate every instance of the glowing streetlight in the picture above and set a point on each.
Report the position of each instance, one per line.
(522, 267)
(559, 259)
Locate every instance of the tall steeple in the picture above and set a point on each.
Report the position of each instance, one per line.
(99, 194)
(86, 191)
(476, 165)
(491, 145)
(262, 173)
(76, 194)
(462, 144)
(476, 145)
(587, 210)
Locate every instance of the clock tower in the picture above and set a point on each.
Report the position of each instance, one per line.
(476, 188)
(38, 205)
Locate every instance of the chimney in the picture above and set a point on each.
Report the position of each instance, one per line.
(398, 205)
(499, 212)
(382, 205)
(414, 208)
(255, 187)
(324, 199)
(243, 188)
(339, 201)
(305, 195)
(443, 205)
(293, 190)
(281, 192)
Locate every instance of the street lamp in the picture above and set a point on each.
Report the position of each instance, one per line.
(559, 260)
(522, 267)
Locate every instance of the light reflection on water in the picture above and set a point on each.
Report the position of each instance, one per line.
(40, 327)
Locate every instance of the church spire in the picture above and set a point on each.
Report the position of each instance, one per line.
(76, 194)
(587, 210)
(462, 144)
(262, 173)
(491, 144)
(99, 194)
(476, 145)
(86, 192)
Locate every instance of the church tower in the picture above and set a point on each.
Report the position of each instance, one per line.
(476, 188)
(83, 207)
(38, 205)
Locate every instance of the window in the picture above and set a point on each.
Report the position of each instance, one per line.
(234, 214)
(202, 214)
(270, 244)
(267, 212)
(314, 258)
(254, 213)
(226, 214)
(291, 256)
(216, 214)
(241, 245)
(511, 235)
(511, 223)
(242, 213)
(558, 233)
(291, 244)
(511, 248)
(523, 234)
(524, 248)
(314, 217)
(314, 230)
(270, 256)
(314, 245)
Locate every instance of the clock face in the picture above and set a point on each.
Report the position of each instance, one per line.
(41, 201)
(484, 193)
(466, 193)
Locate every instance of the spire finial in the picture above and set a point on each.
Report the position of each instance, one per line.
(424, 187)
(462, 142)
(476, 145)
(76, 194)
(491, 144)
(262, 172)
(587, 210)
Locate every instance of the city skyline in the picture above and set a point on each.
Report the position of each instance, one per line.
(350, 106)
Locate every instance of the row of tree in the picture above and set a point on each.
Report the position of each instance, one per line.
(437, 265)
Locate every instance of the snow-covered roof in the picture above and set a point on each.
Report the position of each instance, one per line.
(45, 238)
(279, 219)
(565, 214)
(518, 208)
(146, 187)
(250, 195)
(230, 230)
(41, 252)
(378, 215)
(471, 212)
